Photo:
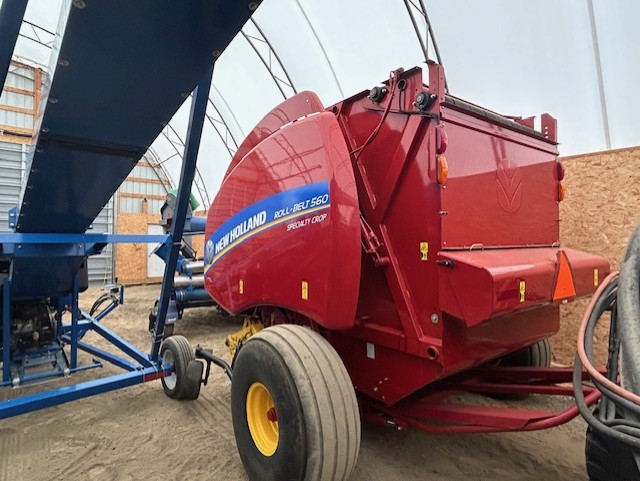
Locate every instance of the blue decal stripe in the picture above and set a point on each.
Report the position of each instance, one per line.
(263, 228)
(266, 214)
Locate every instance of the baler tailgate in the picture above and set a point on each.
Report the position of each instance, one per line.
(476, 286)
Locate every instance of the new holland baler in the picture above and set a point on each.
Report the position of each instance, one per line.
(397, 247)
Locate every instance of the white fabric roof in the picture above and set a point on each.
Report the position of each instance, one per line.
(515, 57)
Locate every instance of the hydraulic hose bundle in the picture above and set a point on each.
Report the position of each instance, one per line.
(618, 414)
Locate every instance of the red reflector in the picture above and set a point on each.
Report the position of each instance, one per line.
(562, 192)
(560, 170)
(154, 375)
(442, 140)
(443, 169)
(564, 289)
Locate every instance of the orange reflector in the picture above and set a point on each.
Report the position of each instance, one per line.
(443, 169)
(562, 192)
(565, 288)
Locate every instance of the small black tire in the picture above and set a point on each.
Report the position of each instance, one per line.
(536, 355)
(153, 315)
(168, 331)
(177, 353)
(194, 380)
(608, 459)
(313, 406)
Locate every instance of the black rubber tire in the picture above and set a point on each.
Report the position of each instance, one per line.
(153, 314)
(608, 459)
(318, 418)
(168, 328)
(194, 380)
(168, 331)
(536, 355)
(179, 385)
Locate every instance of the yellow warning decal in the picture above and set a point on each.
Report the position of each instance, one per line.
(424, 251)
(305, 290)
(241, 286)
(523, 289)
(596, 279)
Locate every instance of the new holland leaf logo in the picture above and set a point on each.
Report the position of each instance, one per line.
(509, 186)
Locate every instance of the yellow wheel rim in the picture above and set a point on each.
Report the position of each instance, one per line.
(262, 419)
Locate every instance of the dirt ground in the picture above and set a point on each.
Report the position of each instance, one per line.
(139, 433)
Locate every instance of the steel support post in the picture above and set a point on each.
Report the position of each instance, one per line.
(192, 145)
(6, 330)
(11, 15)
(74, 323)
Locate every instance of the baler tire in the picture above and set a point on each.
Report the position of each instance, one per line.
(608, 459)
(317, 423)
(536, 355)
(177, 351)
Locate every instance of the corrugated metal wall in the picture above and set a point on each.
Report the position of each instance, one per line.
(12, 158)
(101, 266)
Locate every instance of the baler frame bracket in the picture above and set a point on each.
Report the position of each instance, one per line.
(431, 413)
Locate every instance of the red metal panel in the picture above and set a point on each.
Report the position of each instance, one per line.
(502, 188)
(304, 103)
(480, 285)
(284, 229)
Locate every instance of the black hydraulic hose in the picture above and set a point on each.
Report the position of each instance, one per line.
(613, 431)
(629, 315)
(619, 410)
(608, 408)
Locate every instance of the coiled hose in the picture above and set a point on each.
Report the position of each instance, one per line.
(618, 414)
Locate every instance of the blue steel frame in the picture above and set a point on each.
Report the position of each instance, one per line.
(147, 367)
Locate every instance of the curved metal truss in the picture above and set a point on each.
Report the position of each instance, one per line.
(254, 35)
(175, 140)
(221, 127)
(37, 34)
(321, 45)
(418, 9)
(158, 167)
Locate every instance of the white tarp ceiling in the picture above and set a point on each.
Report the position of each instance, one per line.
(515, 57)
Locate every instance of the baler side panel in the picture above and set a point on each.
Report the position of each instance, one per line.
(400, 202)
(502, 188)
(284, 228)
